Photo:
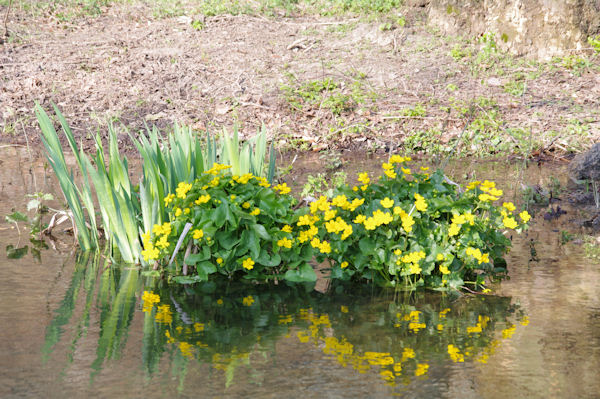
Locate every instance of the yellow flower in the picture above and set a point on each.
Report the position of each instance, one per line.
(255, 212)
(248, 301)
(453, 230)
(169, 198)
(344, 265)
(219, 302)
(439, 257)
(344, 309)
(444, 269)
(408, 353)
(359, 219)
(162, 242)
(420, 203)
(459, 219)
(282, 188)
(182, 189)
(219, 260)
(406, 171)
(202, 199)
(364, 178)
(390, 173)
(473, 184)
(248, 264)
(198, 234)
(469, 217)
(509, 205)
(325, 247)
(178, 212)
(509, 222)
(285, 242)
(424, 169)
(150, 253)
(287, 228)
(246, 205)
(525, 216)
(387, 203)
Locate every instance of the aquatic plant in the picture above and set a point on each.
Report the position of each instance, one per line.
(411, 228)
(234, 225)
(408, 229)
(126, 210)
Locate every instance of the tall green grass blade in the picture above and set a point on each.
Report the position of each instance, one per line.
(87, 239)
(271, 174)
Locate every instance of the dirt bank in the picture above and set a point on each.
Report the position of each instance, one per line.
(316, 82)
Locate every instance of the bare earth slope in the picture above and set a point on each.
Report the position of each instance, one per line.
(315, 82)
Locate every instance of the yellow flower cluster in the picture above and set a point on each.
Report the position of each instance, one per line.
(149, 298)
(182, 189)
(216, 168)
(169, 198)
(399, 159)
(282, 188)
(320, 205)
(387, 203)
(323, 246)
(490, 192)
(406, 219)
(458, 221)
(388, 170)
(420, 203)
(476, 253)
(339, 226)
(285, 243)
(377, 219)
(202, 199)
(198, 234)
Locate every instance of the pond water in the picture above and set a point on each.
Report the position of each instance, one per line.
(74, 326)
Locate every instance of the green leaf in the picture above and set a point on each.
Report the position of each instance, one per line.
(16, 217)
(227, 239)
(206, 268)
(265, 260)
(304, 273)
(261, 231)
(16, 253)
(367, 246)
(193, 259)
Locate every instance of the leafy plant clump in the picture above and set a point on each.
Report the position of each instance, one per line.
(237, 226)
(414, 229)
(408, 229)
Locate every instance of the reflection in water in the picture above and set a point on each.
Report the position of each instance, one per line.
(226, 325)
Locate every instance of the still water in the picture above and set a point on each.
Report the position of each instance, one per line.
(73, 325)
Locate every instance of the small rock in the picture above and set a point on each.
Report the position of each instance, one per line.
(586, 166)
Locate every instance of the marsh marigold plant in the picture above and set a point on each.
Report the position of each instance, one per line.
(410, 228)
(407, 228)
(240, 227)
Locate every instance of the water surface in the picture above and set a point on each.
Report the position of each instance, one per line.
(75, 326)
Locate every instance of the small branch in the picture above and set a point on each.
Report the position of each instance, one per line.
(6, 19)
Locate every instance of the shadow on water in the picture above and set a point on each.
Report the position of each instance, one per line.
(229, 328)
